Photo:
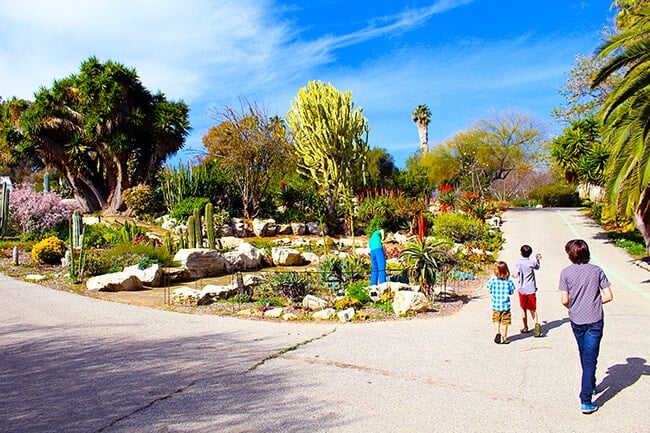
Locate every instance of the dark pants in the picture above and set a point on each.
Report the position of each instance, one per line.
(378, 269)
(588, 338)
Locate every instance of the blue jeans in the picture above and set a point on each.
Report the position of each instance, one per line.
(588, 338)
(378, 266)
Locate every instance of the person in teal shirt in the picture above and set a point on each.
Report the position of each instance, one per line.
(377, 258)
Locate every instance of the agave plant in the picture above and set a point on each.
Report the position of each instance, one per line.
(422, 257)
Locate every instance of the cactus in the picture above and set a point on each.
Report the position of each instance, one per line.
(168, 243)
(209, 224)
(46, 182)
(191, 231)
(75, 257)
(184, 241)
(198, 234)
(4, 209)
(77, 225)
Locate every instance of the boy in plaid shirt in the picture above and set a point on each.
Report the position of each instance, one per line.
(501, 287)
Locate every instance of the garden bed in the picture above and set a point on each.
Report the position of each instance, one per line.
(458, 294)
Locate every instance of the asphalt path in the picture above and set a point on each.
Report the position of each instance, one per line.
(70, 363)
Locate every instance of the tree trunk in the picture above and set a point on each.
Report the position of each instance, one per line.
(642, 216)
(423, 132)
(117, 183)
(87, 194)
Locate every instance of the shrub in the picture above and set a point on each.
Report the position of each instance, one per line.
(121, 255)
(185, 208)
(354, 268)
(555, 195)
(36, 213)
(328, 265)
(459, 227)
(50, 250)
(141, 200)
(376, 222)
(347, 302)
(97, 263)
(291, 284)
(100, 235)
(358, 291)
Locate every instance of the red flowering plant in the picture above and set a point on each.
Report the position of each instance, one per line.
(446, 197)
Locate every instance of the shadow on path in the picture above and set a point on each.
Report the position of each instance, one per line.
(546, 327)
(621, 376)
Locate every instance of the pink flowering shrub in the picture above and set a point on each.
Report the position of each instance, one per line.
(36, 213)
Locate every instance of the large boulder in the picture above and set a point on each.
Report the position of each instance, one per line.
(225, 231)
(240, 228)
(298, 229)
(314, 303)
(408, 301)
(212, 292)
(310, 258)
(325, 314)
(284, 256)
(264, 228)
(150, 277)
(230, 242)
(185, 296)
(284, 229)
(247, 257)
(203, 262)
(313, 228)
(114, 282)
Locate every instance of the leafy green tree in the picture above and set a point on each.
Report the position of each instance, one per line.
(626, 120)
(102, 130)
(414, 180)
(15, 154)
(330, 138)
(422, 117)
(254, 147)
(382, 172)
(487, 152)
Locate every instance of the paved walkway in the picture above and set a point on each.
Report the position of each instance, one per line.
(69, 363)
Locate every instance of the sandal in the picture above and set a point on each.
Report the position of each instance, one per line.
(505, 340)
(524, 330)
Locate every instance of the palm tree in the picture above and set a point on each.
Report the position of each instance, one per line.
(626, 121)
(422, 117)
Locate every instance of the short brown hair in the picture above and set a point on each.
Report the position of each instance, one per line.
(501, 270)
(578, 251)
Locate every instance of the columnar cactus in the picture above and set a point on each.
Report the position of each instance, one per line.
(77, 226)
(198, 232)
(4, 208)
(209, 224)
(46, 182)
(191, 231)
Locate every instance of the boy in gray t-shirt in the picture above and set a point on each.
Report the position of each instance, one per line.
(527, 288)
(584, 289)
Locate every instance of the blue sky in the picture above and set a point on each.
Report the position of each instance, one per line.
(465, 59)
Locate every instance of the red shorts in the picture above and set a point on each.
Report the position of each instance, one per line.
(528, 302)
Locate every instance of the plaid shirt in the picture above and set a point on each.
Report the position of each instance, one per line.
(501, 291)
